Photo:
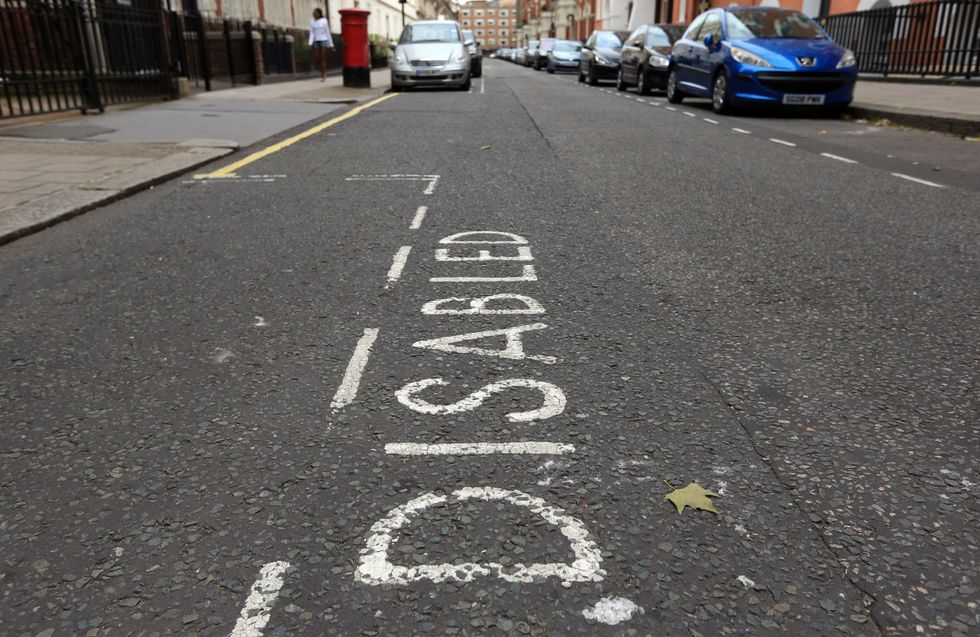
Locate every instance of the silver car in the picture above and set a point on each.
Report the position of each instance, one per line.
(431, 53)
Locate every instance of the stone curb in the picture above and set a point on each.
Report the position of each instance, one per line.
(919, 119)
(56, 207)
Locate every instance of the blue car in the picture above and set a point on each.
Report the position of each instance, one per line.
(743, 56)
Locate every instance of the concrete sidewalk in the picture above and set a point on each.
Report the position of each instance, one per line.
(53, 170)
(933, 106)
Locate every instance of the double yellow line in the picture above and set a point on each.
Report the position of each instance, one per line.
(231, 169)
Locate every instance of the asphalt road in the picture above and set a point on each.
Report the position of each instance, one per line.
(230, 396)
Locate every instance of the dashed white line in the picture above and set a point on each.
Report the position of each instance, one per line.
(917, 180)
(355, 369)
(670, 108)
(838, 158)
(640, 101)
(398, 264)
(742, 130)
(265, 590)
(690, 114)
(419, 216)
(477, 448)
(782, 141)
(709, 120)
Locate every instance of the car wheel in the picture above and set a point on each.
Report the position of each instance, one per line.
(641, 82)
(593, 80)
(466, 85)
(674, 95)
(581, 75)
(719, 93)
(620, 82)
(477, 70)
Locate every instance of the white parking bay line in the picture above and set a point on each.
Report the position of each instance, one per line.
(641, 101)
(670, 108)
(742, 130)
(782, 141)
(419, 216)
(917, 180)
(265, 590)
(477, 448)
(398, 264)
(709, 120)
(690, 114)
(838, 158)
(355, 369)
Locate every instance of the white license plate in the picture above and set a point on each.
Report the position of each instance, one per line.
(803, 100)
(425, 72)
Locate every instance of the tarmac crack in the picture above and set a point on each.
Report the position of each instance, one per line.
(870, 601)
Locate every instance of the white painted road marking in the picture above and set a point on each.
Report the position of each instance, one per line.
(265, 590)
(376, 569)
(838, 158)
(419, 216)
(355, 369)
(514, 349)
(398, 264)
(690, 114)
(670, 108)
(742, 130)
(523, 254)
(612, 610)
(478, 305)
(781, 141)
(477, 448)
(710, 121)
(432, 179)
(918, 181)
(457, 238)
(527, 274)
(553, 403)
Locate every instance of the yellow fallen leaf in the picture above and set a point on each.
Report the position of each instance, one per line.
(694, 496)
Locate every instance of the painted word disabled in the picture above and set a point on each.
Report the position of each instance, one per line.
(376, 567)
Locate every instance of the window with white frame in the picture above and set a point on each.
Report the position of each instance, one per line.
(479, 23)
(490, 22)
(479, 13)
(466, 13)
(479, 32)
(503, 13)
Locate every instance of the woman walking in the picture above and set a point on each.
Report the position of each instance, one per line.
(320, 41)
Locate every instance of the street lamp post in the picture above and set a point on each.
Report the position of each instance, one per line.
(402, 2)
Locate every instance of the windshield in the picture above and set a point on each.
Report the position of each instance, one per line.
(567, 47)
(468, 36)
(771, 24)
(533, 44)
(609, 40)
(658, 37)
(430, 33)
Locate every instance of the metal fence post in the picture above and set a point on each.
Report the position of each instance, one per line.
(250, 46)
(228, 52)
(90, 85)
(203, 46)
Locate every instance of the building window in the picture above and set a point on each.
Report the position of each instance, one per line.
(466, 13)
(503, 13)
(491, 41)
(479, 32)
(479, 23)
(490, 23)
(479, 13)
(503, 32)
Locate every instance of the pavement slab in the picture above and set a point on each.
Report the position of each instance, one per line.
(206, 385)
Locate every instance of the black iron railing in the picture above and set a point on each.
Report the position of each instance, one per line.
(927, 38)
(58, 55)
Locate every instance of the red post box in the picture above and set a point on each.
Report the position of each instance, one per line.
(357, 52)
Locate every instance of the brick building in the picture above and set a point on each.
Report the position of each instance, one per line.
(493, 22)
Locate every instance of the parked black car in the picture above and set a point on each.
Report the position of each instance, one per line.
(645, 60)
(564, 56)
(541, 55)
(600, 56)
(531, 52)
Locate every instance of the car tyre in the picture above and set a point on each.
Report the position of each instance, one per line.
(674, 95)
(592, 79)
(466, 85)
(477, 70)
(620, 81)
(642, 87)
(720, 102)
(581, 76)
(551, 68)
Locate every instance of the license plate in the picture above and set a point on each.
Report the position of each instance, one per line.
(425, 72)
(804, 100)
